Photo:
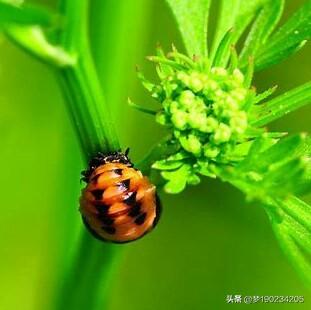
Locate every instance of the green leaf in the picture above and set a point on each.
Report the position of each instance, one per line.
(165, 164)
(267, 18)
(258, 146)
(177, 179)
(282, 105)
(249, 72)
(298, 210)
(261, 173)
(236, 15)
(162, 150)
(285, 149)
(33, 39)
(290, 37)
(140, 108)
(178, 156)
(192, 18)
(240, 151)
(223, 51)
(287, 157)
(25, 15)
(290, 219)
(146, 83)
(275, 182)
(229, 11)
(264, 95)
(164, 61)
(193, 179)
(163, 71)
(272, 57)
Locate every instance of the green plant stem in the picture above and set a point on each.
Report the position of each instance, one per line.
(82, 281)
(85, 278)
(86, 282)
(88, 109)
(92, 118)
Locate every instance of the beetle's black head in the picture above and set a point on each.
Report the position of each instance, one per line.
(104, 158)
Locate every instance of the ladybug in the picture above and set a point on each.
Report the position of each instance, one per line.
(118, 203)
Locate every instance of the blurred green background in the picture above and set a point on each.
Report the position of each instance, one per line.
(210, 242)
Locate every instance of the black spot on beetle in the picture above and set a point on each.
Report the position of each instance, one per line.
(102, 208)
(98, 193)
(130, 200)
(118, 171)
(135, 210)
(140, 219)
(109, 230)
(106, 220)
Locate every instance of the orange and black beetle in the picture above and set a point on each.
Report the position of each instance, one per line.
(118, 204)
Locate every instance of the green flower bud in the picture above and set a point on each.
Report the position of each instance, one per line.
(219, 94)
(204, 110)
(210, 86)
(229, 107)
(238, 75)
(162, 118)
(218, 107)
(222, 134)
(220, 72)
(174, 86)
(183, 77)
(191, 144)
(198, 105)
(196, 120)
(238, 122)
(230, 85)
(211, 124)
(231, 104)
(170, 77)
(177, 134)
(174, 107)
(239, 94)
(186, 98)
(210, 151)
(180, 119)
(195, 82)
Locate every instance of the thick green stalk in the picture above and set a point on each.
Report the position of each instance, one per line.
(86, 273)
(82, 282)
(83, 286)
(87, 278)
(91, 112)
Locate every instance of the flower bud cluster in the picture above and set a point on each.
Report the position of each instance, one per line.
(205, 110)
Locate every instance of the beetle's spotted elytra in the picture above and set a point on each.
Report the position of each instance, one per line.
(118, 204)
